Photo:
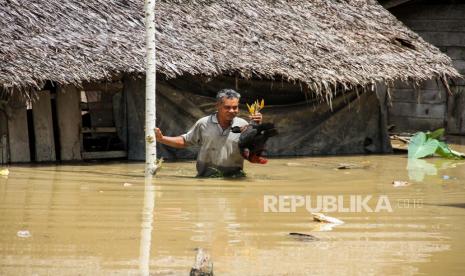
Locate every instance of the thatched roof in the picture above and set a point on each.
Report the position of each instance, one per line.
(319, 42)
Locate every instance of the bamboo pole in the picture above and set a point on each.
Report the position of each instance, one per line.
(150, 95)
(150, 141)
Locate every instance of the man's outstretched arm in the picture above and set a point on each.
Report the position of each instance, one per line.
(175, 142)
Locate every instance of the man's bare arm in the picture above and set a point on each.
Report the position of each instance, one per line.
(175, 142)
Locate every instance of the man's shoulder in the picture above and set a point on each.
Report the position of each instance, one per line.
(203, 120)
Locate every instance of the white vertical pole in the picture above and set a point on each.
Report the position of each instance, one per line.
(150, 141)
(150, 97)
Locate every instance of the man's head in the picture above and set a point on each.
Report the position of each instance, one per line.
(227, 103)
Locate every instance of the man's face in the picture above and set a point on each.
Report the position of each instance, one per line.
(228, 108)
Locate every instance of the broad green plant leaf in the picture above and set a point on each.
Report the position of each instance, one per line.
(426, 144)
(437, 134)
(444, 151)
(420, 146)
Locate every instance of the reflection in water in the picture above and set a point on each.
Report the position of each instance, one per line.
(321, 227)
(455, 205)
(146, 225)
(84, 222)
(419, 168)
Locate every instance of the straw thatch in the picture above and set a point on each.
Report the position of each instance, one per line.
(322, 43)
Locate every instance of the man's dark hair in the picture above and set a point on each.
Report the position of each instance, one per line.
(228, 94)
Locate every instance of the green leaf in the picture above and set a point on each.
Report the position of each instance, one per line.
(420, 146)
(444, 151)
(438, 133)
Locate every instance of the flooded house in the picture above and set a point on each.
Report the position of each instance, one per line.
(429, 105)
(72, 74)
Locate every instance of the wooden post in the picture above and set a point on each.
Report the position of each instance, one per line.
(4, 149)
(18, 137)
(382, 94)
(455, 117)
(3, 138)
(69, 122)
(43, 127)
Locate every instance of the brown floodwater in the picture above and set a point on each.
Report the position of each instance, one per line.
(102, 218)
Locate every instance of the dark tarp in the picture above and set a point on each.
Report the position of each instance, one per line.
(355, 125)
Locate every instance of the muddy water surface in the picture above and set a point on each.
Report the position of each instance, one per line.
(95, 219)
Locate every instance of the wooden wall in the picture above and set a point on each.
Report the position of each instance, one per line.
(42, 128)
(50, 127)
(68, 100)
(18, 133)
(417, 108)
(441, 23)
(134, 90)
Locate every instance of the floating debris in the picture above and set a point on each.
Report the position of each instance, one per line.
(327, 223)
(400, 143)
(127, 184)
(326, 219)
(400, 183)
(23, 234)
(294, 164)
(304, 237)
(203, 266)
(4, 172)
(347, 166)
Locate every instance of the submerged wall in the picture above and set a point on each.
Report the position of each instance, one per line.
(426, 107)
(4, 152)
(56, 127)
(44, 130)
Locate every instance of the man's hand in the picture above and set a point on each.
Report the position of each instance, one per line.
(158, 135)
(257, 117)
(175, 142)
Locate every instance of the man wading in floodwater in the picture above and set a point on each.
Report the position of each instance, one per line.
(219, 151)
